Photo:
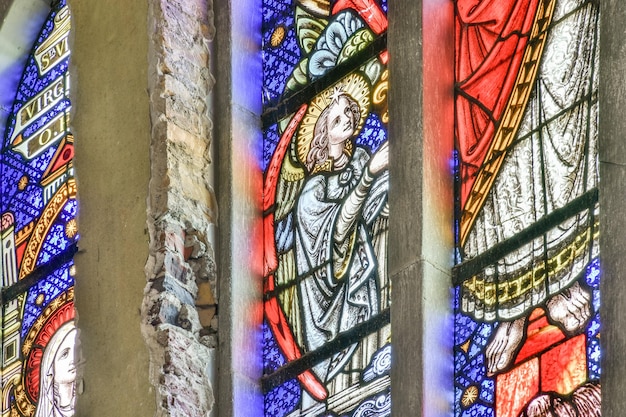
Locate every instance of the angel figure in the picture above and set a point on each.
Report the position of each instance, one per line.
(325, 203)
(335, 255)
(331, 223)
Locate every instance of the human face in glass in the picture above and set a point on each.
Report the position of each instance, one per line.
(64, 368)
(340, 121)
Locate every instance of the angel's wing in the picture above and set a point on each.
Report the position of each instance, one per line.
(283, 182)
(308, 30)
(371, 12)
(270, 187)
(288, 188)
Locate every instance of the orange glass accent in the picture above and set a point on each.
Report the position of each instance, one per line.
(536, 314)
(516, 388)
(564, 367)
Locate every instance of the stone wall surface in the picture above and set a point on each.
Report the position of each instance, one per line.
(179, 309)
(111, 125)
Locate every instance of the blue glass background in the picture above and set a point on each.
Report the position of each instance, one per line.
(279, 62)
(51, 287)
(27, 205)
(283, 399)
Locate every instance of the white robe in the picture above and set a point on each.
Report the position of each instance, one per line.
(558, 160)
(339, 281)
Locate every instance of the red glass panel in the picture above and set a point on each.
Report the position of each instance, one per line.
(516, 388)
(490, 38)
(564, 368)
(540, 336)
(521, 98)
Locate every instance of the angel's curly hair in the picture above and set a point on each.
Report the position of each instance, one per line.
(318, 154)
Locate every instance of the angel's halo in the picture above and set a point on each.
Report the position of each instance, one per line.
(356, 86)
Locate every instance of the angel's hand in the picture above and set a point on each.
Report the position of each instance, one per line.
(380, 160)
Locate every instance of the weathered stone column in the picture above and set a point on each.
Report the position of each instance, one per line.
(111, 124)
(612, 142)
(421, 205)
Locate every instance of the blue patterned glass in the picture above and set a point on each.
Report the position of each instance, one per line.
(39, 230)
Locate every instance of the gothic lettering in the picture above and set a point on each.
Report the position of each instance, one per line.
(39, 105)
(48, 135)
(53, 55)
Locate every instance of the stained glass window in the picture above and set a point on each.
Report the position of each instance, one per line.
(527, 328)
(38, 233)
(326, 299)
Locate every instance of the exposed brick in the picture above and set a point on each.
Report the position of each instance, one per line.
(179, 304)
(205, 295)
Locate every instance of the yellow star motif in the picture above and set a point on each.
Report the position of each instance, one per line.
(469, 396)
(278, 36)
(22, 183)
(71, 228)
(27, 346)
(40, 299)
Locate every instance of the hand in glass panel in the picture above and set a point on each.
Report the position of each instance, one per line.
(380, 160)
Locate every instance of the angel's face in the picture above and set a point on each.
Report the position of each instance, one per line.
(340, 121)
